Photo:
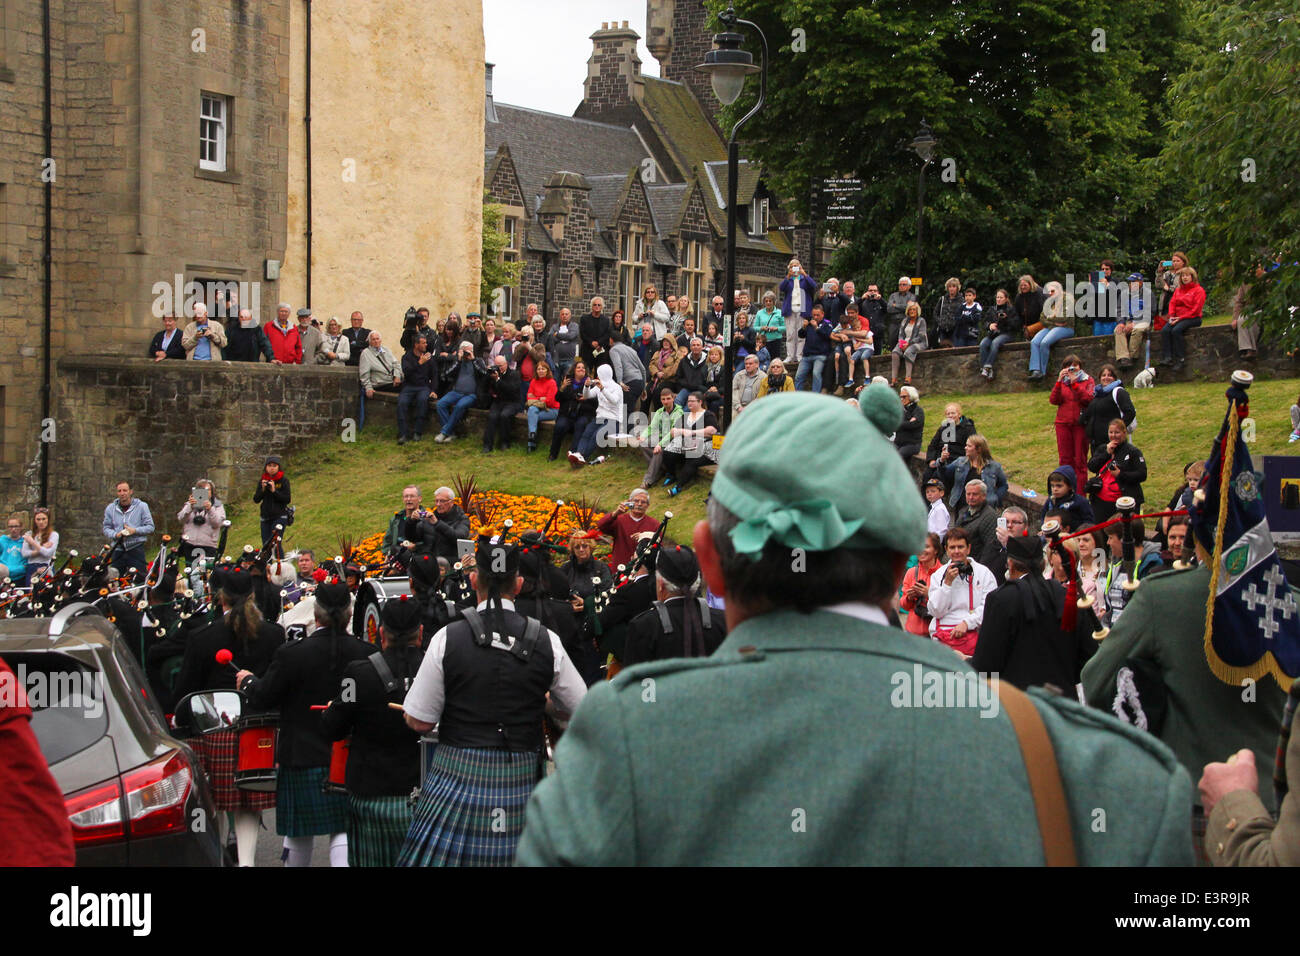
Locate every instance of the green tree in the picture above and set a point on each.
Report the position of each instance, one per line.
(1233, 139)
(496, 273)
(1043, 108)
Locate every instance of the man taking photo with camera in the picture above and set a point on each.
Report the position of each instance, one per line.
(957, 594)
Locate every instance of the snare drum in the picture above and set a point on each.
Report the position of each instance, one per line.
(255, 764)
(370, 601)
(337, 780)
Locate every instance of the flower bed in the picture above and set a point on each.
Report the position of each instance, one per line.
(487, 515)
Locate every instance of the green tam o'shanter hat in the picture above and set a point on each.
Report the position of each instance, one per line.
(811, 472)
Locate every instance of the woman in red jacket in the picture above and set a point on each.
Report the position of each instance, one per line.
(543, 406)
(1184, 313)
(1071, 394)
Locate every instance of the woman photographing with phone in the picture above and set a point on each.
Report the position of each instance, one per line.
(201, 517)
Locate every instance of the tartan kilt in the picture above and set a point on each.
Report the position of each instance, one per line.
(376, 829)
(303, 808)
(471, 808)
(218, 753)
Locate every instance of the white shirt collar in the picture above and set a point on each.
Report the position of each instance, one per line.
(506, 603)
(859, 609)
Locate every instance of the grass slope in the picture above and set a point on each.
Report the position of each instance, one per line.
(1176, 424)
(352, 489)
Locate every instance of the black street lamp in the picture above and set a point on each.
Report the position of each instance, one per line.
(728, 66)
(923, 145)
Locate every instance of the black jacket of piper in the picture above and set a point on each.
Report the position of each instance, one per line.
(648, 641)
(494, 698)
(200, 670)
(609, 628)
(303, 673)
(384, 756)
(1021, 638)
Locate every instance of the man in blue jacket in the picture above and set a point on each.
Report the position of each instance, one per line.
(816, 334)
(128, 518)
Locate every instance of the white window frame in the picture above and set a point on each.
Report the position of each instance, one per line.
(214, 117)
(633, 269)
(758, 213)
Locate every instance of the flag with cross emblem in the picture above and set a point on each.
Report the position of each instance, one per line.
(1253, 625)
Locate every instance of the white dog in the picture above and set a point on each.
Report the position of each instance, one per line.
(1145, 378)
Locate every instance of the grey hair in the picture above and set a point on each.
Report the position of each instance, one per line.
(1013, 510)
(977, 481)
(676, 590)
(284, 305)
(439, 490)
(696, 338)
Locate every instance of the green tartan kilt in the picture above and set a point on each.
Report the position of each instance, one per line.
(302, 808)
(471, 808)
(376, 829)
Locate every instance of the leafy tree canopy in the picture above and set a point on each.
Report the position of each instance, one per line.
(1233, 138)
(1045, 108)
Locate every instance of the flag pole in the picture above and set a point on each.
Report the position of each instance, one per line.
(1225, 480)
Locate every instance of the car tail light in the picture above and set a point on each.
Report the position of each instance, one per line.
(156, 795)
(96, 814)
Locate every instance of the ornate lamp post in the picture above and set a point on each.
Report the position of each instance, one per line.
(924, 146)
(728, 67)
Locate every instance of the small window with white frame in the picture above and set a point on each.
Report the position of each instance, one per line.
(214, 119)
(758, 217)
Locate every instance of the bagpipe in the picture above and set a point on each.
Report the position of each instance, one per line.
(1126, 507)
(646, 551)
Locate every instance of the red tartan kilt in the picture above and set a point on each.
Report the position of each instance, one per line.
(218, 752)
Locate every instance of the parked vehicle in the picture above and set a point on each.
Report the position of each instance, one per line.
(135, 795)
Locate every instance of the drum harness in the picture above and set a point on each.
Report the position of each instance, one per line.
(693, 638)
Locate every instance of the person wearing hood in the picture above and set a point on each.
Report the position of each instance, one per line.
(609, 416)
(1071, 394)
(1021, 637)
(1064, 502)
(1109, 401)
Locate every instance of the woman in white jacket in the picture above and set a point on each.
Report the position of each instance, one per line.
(654, 310)
(609, 414)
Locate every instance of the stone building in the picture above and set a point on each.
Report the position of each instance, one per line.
(177, 170)
(631, 188)
(166, 166)
(395, 213)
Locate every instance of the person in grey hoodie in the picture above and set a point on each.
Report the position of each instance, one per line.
(561, 344)
(630, 375)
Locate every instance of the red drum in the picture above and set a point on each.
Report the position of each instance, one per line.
(255, 764)
(337, 780)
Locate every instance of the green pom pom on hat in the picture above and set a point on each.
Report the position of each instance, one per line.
(812, 472)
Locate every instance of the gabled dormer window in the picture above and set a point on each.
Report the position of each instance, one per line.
(758, 217)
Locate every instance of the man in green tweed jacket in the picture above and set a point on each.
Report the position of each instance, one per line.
(817, 734)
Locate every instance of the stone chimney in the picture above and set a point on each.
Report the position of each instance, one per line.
(659, 28)
(614, 78)
(681, 31)
(489, 110)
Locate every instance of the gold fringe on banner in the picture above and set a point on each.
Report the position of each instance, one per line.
(1267, 664)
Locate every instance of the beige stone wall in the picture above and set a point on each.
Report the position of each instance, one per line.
(396, 87)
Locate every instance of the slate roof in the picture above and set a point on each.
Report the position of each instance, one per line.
(538, 239)
(681, 126)
(604, 196)
(542, 143)
(715, 200)
(666, 205)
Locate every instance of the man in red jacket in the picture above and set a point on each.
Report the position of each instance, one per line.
(286, 343)
(628, 519)
(34, 827)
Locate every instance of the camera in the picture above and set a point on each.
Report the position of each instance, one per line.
(200, 519)
(412, 319)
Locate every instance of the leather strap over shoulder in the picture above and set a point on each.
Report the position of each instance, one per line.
(384, 671)
(471, 617)
(664, 622)
(1045, 786)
